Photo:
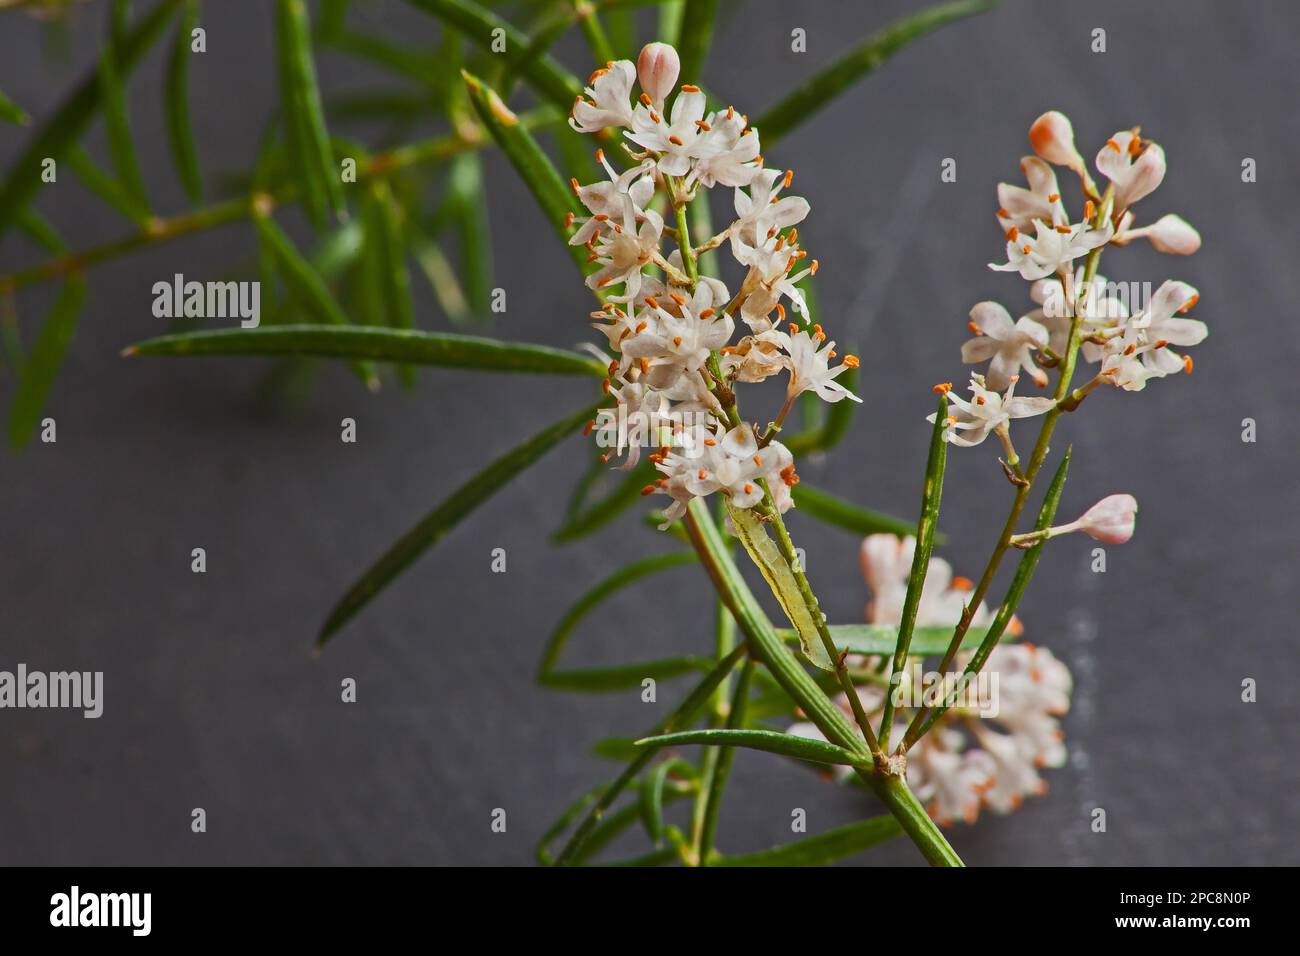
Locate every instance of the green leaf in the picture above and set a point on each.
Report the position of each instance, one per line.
(547, 77)
(883, 638)
(303, 115)
(857, 63)
(826, 507)
(121, 143)
(37, 374)
(694, 36)
(447, 515)
(595, 516)
(307, 284)
(621, 749)
(611, 678)
(533, 165)
(176, 91)
(64, 128)
(388, 267)
(588, 834)
(439, 349)
(10, 112)
(469, 213)
(931, 496)
(411, 63)
(652, 796)
(41, 231)
(438, 272)
(106, 187)
(601, 680)
(823, 848)
(787, 745)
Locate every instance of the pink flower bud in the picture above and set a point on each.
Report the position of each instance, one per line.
(1110, 520)
(657, 68)
(1173, 234)
(1052, 137)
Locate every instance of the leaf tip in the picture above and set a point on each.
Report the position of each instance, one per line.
(129, 351)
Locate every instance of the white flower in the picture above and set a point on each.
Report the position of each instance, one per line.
(1033, 690)
(769, 280)
(949, 783)
(754, 358)
(1171, 234)
(988, 412)
(1008, 344)
(1019, 207)
(624, 248)
(676, 140)
(1052, 249)
(1098, 309)
(657, 68)
(611, 95)
(605, 200)
(762, 210)
(808, 362)
(1013, 773)
(1135, 166)
(719, 460)
(726, 153)
(668, 344)
(886, 562)
(1052, 137)
(1142, 352)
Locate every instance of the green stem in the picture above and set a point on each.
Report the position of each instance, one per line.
(916, 823)
(1036, 459)
(765, 644)
(713, 788)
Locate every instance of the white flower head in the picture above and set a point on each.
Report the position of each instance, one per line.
(1135, 166)
(624, 248)
(1052, 249)
(1019, 207)
(809, 363)
(610, 91)
(1006, 345)
(675, 140)
(988, 412)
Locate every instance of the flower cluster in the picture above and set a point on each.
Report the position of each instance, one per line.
(1078, 310)
(967, 761)
(669, 329)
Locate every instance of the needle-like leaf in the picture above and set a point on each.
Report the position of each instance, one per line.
(826, 507)
(787, 745)
(37, 373)
(303, 115)
(484, 28)
(857, 63)
(176, 91)
(446, 516)
(441, 349)
(60, 131)
(626, 675)
(823, 848)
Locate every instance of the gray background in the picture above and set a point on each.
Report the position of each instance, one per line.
(213, 700)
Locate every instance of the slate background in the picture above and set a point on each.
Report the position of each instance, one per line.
(213, 700)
